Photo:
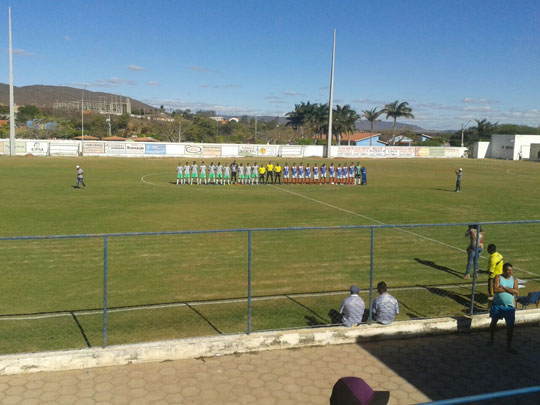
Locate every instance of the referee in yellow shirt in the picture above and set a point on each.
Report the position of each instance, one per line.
(269, 173)
(277, 173)
(262, 170)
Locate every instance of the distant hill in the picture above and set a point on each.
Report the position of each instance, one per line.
(46, 96)
(385, 126)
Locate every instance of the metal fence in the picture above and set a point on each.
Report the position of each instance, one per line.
(68, 291)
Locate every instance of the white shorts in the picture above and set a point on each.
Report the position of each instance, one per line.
(295, 175)
(316, 177)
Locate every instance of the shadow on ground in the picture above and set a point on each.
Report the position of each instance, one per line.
(451, 366)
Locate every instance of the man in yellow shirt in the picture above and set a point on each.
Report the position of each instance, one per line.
(262, 171)
(277, 173)
(495, 267)
(269, 172)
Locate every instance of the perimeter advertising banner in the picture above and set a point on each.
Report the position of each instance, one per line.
(211, 151)
(115, 148)
(155, 149)
(134, 149)
(2, 148)
(37, 148)
(193, 150)
(247, 150)
(173, 149)
(64, 148)
(90, 148)
(292, 151)
(267, 150)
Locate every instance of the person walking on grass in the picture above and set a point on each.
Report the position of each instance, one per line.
(459, 174)
(505, 287)
(80, 173)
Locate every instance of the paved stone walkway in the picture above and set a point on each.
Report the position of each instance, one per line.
(414, 370)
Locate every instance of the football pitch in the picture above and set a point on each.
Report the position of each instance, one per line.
(171, 286)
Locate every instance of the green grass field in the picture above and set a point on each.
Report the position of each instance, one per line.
(298, 276)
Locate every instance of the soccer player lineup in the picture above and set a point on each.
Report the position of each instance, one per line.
(270, 173)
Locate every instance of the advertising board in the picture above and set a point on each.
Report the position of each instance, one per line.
(37, 148)
(64, 149)
(247, 150)
(193, 150)
(267, 150)
(292, 151)
(230, 150)
(134, 149)
(155, 149)
(91, 148)
(211, 151)
(115, 148)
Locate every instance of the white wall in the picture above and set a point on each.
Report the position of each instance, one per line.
(481, 150)
(509, 146)
(201, 150)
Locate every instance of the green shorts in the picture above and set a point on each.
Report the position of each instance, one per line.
(248, 176)
(211, 175)
(186, 176)
(179, 176)
(219, 176)
(226, 176)
(194, 175)
(240, 176)
(203, 176)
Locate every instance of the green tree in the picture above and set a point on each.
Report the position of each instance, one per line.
(397, 110)
(372, 116)
(27, 113)
(343, 121)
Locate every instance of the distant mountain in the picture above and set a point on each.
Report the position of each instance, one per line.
(46, 96)
(386, 126)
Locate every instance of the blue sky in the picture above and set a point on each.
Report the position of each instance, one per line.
(451, 60)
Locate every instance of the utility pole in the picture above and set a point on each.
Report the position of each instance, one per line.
(82, 114)
(11, 98)
(463, 131)
(331, 101)
(255, 126)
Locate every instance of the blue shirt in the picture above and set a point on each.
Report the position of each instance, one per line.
(308, 171)
(332, 170)
(385, 308)
(352, 309)
(504, 298)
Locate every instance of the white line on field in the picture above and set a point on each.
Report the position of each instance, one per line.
(382, 223)
(223, 301)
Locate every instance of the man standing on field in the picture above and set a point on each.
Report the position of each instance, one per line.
(80, 177)
(459, 174)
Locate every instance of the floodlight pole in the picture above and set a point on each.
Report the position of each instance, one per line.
(11, 97)
(463, 131)
(331, 101)
(179, 130)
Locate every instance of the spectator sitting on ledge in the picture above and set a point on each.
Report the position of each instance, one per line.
(352, 308)
(385, 307)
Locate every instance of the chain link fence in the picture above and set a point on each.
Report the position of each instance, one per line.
(76, 291)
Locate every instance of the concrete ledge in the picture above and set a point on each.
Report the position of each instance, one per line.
(219, 345)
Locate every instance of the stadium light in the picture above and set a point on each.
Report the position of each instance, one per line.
(108, 121)
(463, 131)
(82, 115)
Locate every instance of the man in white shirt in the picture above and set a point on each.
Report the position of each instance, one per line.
(385, 307)
(352, 308)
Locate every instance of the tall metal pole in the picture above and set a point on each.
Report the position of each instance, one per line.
(331, 101)
(249, 283)
(370, 318)
(255, 126)
(11, 98)
(82, 114)
(105, 288)
(463, 131)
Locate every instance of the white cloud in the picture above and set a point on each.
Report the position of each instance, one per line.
(116, 80)
(478, 109)
(135, 68)
(204, 85)
(196, 106)
(22, 52)
(290, 93)
(200, 69)
(227, 86)
(470, 100)
(369, 101)
(67, 38)
(152, 83)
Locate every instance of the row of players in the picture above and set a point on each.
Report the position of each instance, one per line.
(254, 174)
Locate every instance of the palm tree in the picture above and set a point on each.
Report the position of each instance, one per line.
(397, 110)
(343, 121)
(484, 128)
(371, 116)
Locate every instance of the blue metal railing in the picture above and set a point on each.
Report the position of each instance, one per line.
(249, 232)
(485, 397)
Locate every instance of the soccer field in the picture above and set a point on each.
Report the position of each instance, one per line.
(190, 285)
